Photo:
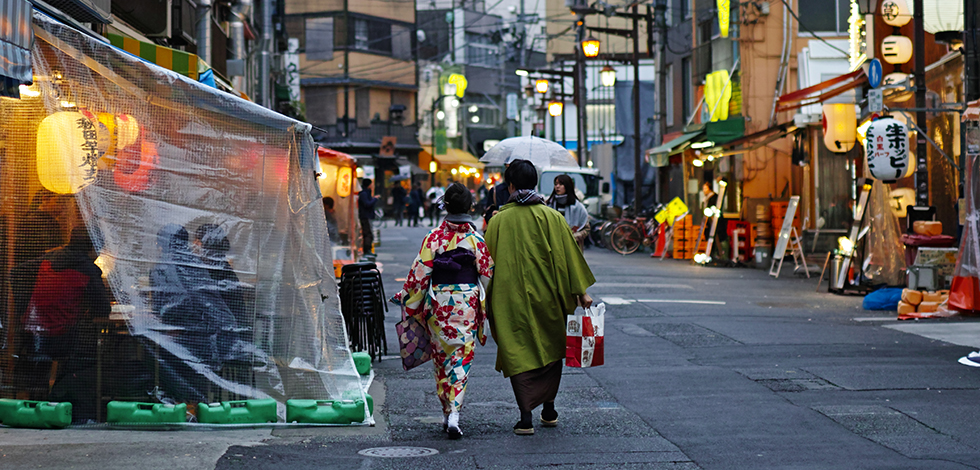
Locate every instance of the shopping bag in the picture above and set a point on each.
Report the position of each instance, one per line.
(414, 341)
(583, 337)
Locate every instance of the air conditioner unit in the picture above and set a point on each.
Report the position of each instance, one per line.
(150, 17)
(85, 11)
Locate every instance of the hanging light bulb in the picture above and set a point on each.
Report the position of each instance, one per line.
(607, 76)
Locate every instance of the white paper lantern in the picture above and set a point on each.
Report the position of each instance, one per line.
(887, 150)
(839, 127)
(896, 49)
(896, 12)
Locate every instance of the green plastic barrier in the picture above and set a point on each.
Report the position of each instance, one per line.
(352, 395)
(234, 412)
(132, 412)
(34, 414)
(362, 362)
(325, 411)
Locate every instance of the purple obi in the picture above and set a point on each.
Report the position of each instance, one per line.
(455, 267)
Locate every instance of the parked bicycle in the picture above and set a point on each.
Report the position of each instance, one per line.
(629, 234)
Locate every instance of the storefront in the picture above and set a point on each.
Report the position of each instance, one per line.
(202, 212)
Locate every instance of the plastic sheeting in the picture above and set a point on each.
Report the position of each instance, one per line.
(884, 262)
(206, 218)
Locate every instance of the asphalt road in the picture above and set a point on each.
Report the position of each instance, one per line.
(712, 368)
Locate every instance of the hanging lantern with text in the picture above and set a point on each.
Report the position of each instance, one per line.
(887, 150)
(839, 127)
(67, 152)
(344, 181)
(896, 13)
(896, 49)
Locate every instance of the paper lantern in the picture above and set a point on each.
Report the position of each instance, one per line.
(896, 12)
(839, 127)
(344, 180)
(134, 166)
(67, 152)
(555, 108)
(103, 134)
(541, 85)
(896, 49)
(900, 199)
(887, 150)
(127, 131)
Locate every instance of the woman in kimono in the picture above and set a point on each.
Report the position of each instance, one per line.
(445, 289)
(564, 200)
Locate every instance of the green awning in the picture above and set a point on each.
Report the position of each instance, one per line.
(660, 153)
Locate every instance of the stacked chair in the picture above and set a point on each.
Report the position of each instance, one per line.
(362, 301)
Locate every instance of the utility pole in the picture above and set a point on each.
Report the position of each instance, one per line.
(921, 148)
(522, 59)
(580, 9)
(637, 171)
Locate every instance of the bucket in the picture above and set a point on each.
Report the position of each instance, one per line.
(763, 253)
(835, 265)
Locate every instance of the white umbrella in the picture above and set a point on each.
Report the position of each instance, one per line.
(539, 151)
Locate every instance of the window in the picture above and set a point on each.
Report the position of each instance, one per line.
(823, 16)
(360, 34)
(669, 98)
(480, 52)
(319, 39)
(373, 35)
(686, 8)
(687, 99)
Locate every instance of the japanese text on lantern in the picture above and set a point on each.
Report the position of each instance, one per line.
(90, 148)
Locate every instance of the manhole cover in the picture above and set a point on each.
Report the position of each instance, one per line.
(398, 452)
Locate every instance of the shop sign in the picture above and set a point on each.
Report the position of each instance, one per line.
(887, 150)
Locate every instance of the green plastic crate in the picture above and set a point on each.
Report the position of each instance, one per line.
(133, 412)
(235, 412)
(34, 414)
(362, 362)
(325, 411)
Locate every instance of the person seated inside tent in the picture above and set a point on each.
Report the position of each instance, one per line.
(57, 298)
(213, 246)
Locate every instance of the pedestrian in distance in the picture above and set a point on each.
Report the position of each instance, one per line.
(399, 198)
(564, 200)
(415, 198)
(540, 277)
(434, 195)
(330, 213)
(496, 198)
(445, 290)
(366, 200)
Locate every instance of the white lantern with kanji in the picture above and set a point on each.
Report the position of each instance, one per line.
(887, 150)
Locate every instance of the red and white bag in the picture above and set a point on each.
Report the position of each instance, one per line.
(583, 337)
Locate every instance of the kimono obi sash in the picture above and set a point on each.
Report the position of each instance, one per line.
(455, 267)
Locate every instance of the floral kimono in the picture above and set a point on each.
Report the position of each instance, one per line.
(446, 289)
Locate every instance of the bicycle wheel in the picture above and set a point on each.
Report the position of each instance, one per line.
(607, 232)
(626, 239)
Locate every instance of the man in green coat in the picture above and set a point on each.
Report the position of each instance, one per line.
(540, 277)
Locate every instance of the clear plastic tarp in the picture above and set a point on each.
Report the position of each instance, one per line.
(884, 262)
(203, 214)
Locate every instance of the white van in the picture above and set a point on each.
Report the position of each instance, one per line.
(587, 184)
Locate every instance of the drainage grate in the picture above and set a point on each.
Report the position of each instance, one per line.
(398, 452)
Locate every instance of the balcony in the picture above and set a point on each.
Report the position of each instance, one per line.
(366, 138)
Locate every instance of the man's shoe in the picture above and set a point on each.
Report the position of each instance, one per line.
(523, 428)
(549, 419)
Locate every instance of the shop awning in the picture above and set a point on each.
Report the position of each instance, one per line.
(660, 153)
(181, 62)
(16, 40)
(822, 91)
(453, 157)
(753, 141)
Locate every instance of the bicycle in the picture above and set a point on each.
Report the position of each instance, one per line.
(632, 233)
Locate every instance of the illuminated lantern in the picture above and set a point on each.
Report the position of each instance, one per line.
(133, 167)
(900, 199)
(887, 150)
(541, 85)
(102, 132)
(555, 108)
(896, 12)
(127, 131)
(67, 152)
(344, 181)
(896, 49)
(839, 127)
(590, 47)
(607, 76)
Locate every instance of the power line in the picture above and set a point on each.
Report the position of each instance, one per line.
(791, 12)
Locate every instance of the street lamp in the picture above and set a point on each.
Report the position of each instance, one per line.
(541, 85)
(440, 115)
(555, 108)
(607, 76)
(590, 47)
